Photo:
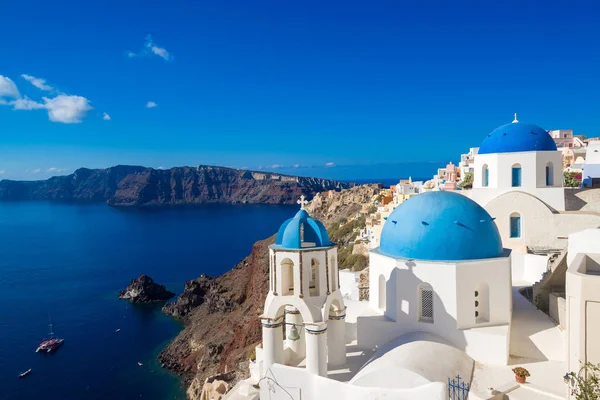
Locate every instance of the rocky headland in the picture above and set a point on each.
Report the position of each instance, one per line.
(221, 314)
(140, 186)
(143, 289)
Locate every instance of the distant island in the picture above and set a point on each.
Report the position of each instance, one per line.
(124, 185)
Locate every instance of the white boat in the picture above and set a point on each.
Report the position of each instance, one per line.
(118, 330)
(24, 374)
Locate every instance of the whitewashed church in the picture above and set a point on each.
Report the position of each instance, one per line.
(447, 299)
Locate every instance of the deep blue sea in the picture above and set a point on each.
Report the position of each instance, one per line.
(68, 262)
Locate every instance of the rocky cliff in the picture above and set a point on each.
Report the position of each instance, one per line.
(221, 314)
(143, 289)
(139, 186)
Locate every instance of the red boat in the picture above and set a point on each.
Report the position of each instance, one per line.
(51, 344)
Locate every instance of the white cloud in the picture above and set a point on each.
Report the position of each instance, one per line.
(67, 109)
(1, 171)
(161, 52)
(63, 108)
(275, 166)
(56, 170)
(106, 117)
(8, 89)
(151, 49)
(161, 167)
(36, 171)
(26, 104)
(151, 104)
(37, 82)
(330, 164)
(296, 165)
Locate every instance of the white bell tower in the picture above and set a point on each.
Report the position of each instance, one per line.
(304, 302)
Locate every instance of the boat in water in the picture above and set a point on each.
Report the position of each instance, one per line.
(24, 374)
(50, 344)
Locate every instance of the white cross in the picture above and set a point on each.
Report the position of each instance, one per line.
(302, 202)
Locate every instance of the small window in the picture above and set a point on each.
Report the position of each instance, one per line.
(485, 179)
(426, 302)
(516, 176)
(515, 226)
(549, 175)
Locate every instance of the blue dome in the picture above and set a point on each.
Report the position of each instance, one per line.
(440, 226)
(516, 137)
(315, 234)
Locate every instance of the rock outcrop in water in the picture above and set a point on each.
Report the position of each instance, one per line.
(139, 186)
(144, 290)
(221, 314)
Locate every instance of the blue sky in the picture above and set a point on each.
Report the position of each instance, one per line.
(340, 89)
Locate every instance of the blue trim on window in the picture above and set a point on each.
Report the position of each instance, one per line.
(516, 176)
(486, 177)
(515, 227)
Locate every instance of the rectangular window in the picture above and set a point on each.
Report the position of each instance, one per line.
(516, 176)
(486, 177)
(515, 227)
(547, 176)
(426, 305)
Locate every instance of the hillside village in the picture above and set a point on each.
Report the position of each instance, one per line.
(444, 288)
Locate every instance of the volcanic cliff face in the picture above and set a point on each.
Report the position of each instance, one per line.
(221, 314)
(140, 186)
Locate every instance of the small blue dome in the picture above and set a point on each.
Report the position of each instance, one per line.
(440, 226)
(315, 234)
(516, 137)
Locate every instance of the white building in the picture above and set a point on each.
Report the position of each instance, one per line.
(591, 167)
(519, 181)
(467, 161)
(304, 298)
(441, 269)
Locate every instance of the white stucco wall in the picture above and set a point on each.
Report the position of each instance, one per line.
(540, 227)
(454, 307)
(533, 176)
(528, 267)
(286, 383)
(349, 284)
(583, 298)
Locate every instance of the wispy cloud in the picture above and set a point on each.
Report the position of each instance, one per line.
(296, 165)
(2, 172)
(330, 164)
(36, 171)
(152, 104)
(275, 166)
(150, 49)
(54, 170)
(37, 82)
(8, 89)
(162, 167)
(106, 117)
(26, 104)
(65, 108)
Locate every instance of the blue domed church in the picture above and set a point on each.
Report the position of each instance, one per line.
(441, 269)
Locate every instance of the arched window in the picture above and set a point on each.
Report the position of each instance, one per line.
(382, 298)
(287, 277)
(515, 225)
(549, 174)
(314, 277)
(516, 175)
(482, 305)
(485, 176)
(425, 293)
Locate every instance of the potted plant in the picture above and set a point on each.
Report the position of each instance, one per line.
(521, 374)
